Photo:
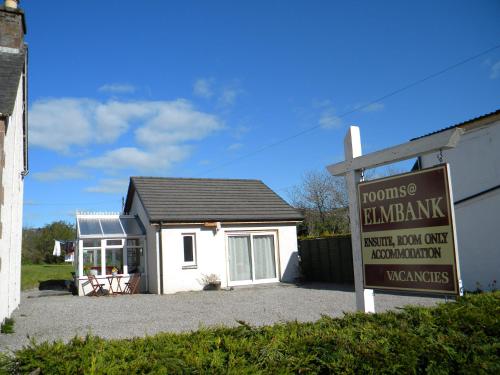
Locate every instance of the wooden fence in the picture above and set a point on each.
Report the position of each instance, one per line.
(327, 260)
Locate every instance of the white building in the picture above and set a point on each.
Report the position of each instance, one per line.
(239, 230)
(13, 151)
(475, 175)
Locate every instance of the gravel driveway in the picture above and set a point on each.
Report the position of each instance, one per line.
(53, 317)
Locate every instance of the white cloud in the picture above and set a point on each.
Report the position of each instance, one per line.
(176, 122)
(321, 103)
(203, 87)
(113, 118)
(57, 124)
(163, 130)
(327, 114)
(235, 146)
(328, 119)
(495, 70)
(59, 173)
(141, 160)
(121, 158)
(61, 124)
(117, 88)
(374, 107)
(110, 186)
(240, 131)
(228, 96)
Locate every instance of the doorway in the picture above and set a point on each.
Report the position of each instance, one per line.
(252, 258)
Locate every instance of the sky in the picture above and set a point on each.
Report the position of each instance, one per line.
(248, 89)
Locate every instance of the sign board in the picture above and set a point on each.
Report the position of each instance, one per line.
(407, 232)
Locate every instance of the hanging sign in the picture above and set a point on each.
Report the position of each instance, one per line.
(407, 232)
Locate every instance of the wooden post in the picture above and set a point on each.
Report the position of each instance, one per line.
(352, 149)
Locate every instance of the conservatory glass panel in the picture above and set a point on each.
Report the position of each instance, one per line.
(92, 260)
(89, 227)
(131, 226)
(114, 259)
(111, 227)
(92, 243)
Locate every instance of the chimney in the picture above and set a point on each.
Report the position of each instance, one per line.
(12, 25)
(11, 4)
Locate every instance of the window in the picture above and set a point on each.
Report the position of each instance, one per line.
(189, 250)
(134, 252)
(252, 258)
(92, 256)
(92, 243)
(114, 259)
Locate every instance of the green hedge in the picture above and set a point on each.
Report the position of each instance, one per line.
(461, 337)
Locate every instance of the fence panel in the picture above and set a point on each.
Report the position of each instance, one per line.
(327, 260)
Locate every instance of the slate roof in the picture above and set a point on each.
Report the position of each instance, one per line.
(184, 200)
(11, 67)
(464, 123)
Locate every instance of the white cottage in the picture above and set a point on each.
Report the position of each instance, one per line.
(475, 176)
(239, 230)
(13, 151)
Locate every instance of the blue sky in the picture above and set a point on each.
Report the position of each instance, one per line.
(199, 88)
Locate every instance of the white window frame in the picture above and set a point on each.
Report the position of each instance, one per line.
(192, 264)
(96, 251)
(122, 247)
(253, 280)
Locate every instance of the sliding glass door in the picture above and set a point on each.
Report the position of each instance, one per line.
(252, 258)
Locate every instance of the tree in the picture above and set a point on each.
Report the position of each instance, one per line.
(38, 243)
(323, 200)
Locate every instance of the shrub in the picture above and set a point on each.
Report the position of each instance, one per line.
(7, 326)
(461, 337)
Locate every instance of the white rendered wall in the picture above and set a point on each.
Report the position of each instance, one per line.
(12, 211)
(475, 167)
(211, 254)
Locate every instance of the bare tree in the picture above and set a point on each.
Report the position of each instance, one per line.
(323, 199)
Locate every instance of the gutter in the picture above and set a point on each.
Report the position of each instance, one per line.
(173, 224)
(477, 194)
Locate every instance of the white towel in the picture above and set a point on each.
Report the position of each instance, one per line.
(57, 249)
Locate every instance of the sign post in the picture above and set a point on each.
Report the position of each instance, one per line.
(352, 167)
(352, 148)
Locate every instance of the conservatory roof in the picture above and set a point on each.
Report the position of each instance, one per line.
(108, 225)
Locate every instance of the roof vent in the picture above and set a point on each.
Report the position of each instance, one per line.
(11, 3)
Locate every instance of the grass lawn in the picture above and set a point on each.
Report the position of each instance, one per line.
(33, 274)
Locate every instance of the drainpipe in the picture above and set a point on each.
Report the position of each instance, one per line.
(25, 171)
(160, 258)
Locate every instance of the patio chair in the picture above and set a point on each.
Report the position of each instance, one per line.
(132, 285)
(97, 288)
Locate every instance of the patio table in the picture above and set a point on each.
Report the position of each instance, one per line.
(118, 289)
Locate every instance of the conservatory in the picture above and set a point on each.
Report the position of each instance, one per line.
(110, 246)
